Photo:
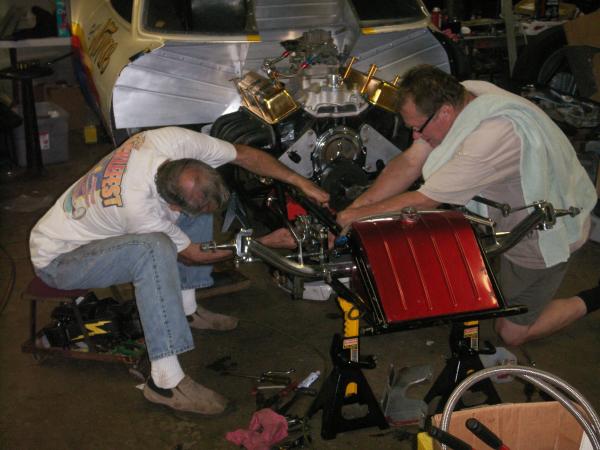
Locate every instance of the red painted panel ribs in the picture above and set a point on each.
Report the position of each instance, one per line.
(427, 267)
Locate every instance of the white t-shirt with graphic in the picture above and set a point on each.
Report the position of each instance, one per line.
(118, 195)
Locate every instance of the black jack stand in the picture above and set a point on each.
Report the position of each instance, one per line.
(346, 385)
(464, 344)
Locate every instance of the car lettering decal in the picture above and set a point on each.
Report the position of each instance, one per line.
(102, 44)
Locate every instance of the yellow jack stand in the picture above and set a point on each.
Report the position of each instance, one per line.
(464, 360)
(346, 383)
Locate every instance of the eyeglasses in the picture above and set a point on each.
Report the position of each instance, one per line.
(422, 127)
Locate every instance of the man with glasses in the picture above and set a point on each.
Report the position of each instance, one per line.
(475, 139)
(140, 216)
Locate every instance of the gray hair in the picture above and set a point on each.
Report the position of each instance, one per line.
(214, 193)
(429, 88)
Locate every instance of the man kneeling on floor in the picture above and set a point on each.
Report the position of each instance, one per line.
(131, 218)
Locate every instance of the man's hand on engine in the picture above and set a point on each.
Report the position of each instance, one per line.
(312, 191)
(263, 164)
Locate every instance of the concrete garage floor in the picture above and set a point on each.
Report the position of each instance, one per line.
(72, 404)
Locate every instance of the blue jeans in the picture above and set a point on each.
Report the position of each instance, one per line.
(198, 229)
(149, 261)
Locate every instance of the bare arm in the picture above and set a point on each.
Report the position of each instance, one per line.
(398, 175)
(193, 254)
(261, 163)
(391, 204)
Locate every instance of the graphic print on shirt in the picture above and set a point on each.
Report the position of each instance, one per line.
(102, 184)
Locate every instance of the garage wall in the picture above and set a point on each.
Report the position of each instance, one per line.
(63, 69)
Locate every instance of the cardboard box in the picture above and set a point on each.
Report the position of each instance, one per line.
(527, 8)
(524, 426)
(585, 31)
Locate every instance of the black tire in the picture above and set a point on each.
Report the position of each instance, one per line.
(557, 74)
(533, 56)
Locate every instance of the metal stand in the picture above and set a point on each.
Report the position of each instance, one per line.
(464, 344)
(346, 376)
(25, 75)
(346, 384)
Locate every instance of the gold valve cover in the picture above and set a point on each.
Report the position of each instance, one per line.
(264, 98)
(378, 92)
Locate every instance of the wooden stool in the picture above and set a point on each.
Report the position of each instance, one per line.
(38, 291)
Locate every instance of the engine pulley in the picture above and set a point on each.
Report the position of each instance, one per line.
(337, 143)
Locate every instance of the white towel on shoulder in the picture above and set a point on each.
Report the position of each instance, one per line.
(550, 169)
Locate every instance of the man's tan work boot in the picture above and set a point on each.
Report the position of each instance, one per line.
(203, 319)
(187, 396)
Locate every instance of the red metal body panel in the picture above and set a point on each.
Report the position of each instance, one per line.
(430, 266)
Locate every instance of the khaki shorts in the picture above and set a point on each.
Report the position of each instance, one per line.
(534, 288)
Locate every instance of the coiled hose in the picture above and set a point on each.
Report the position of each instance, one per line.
(587, 417)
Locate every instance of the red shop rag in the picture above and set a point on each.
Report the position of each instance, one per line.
(266, 428)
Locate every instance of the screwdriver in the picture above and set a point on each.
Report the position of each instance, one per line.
(279, 379)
